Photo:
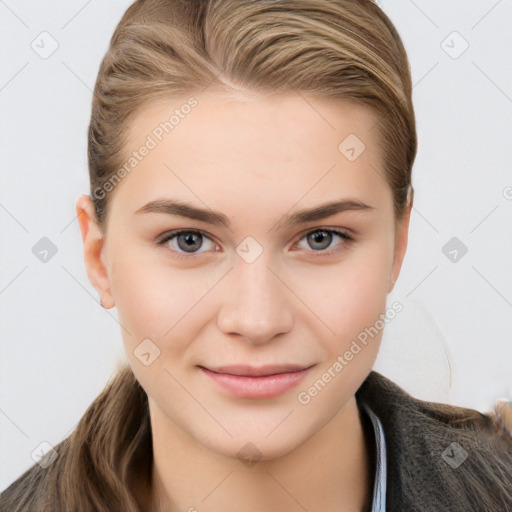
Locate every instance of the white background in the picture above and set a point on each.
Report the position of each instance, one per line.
(452, 341)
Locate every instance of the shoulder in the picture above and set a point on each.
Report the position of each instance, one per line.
(20, 495)
(440, 457)
(35, 488)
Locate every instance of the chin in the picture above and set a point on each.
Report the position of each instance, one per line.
(252, 450)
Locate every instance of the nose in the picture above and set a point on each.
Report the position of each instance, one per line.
(258, 303)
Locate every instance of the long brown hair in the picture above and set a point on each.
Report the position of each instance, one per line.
(339, 49)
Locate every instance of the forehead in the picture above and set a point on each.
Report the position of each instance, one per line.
(279, 147)
(294, 117)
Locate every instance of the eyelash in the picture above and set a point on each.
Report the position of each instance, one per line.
(166, 237)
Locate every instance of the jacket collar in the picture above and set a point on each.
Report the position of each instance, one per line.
(437, 454)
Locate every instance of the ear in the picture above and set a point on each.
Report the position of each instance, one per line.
(401, 239)
(94, 257)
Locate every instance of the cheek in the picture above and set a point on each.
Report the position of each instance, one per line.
(351, 296)
(157, 302)
(353, 303)
(137, 294)
(147, 295)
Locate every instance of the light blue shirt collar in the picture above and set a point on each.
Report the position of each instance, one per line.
(379, 488)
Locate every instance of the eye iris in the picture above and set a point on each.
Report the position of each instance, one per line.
(191, 241)
(319, 236)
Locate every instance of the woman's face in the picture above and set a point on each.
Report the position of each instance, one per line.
(260, 280)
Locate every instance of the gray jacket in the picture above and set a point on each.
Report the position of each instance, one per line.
(439, 457)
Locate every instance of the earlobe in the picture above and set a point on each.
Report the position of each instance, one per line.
(93, 243)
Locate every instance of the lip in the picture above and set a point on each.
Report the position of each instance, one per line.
(257, 382)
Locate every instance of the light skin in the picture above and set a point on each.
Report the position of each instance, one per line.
(257, 160)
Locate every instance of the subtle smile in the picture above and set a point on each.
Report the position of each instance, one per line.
(252, 382)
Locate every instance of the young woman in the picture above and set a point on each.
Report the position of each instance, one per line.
(250, 166)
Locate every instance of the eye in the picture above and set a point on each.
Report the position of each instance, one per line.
(322, 238)
(186, 243)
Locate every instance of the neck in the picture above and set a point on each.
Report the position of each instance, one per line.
(332, 470)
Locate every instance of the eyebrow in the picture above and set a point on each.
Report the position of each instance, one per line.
(182, 209)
